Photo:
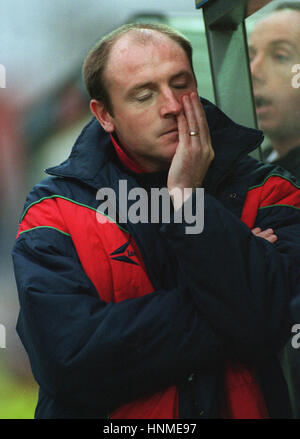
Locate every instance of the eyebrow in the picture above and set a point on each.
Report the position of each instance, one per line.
(149, 84)
(275, 43)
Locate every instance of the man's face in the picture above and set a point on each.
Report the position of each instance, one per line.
(274, 48)
(146, 83)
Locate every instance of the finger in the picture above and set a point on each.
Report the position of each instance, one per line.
(261, 235)
(183, 130)
(201, 118)
(256, 230)
(268, 235)
(190, 115)
(272, 238)
(267, 232)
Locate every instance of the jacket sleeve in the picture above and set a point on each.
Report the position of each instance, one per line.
(249, 283)
(87, 352)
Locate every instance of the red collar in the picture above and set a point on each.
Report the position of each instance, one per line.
(125, 159)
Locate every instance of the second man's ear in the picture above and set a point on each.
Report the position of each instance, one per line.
(102, 115)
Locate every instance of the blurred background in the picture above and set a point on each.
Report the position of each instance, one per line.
(43, 108)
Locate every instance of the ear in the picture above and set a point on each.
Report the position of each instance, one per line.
(102, 115)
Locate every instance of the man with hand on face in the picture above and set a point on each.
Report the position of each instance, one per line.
(274, 56)
(143, 320)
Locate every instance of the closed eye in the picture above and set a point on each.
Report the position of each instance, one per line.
(180, 85)
(143, 98)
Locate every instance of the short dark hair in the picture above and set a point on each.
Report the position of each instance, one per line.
(288, 5)
(96, 61)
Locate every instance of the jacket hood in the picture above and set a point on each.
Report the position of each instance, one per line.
(93, 149)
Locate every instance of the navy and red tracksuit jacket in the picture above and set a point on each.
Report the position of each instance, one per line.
(146, 321)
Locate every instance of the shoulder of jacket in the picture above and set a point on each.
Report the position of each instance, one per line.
(257, 173)
(48, 187)
(59, 187)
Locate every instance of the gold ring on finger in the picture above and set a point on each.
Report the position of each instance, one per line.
(193, 133)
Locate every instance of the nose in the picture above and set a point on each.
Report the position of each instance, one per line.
(171, 104)
(258, 69)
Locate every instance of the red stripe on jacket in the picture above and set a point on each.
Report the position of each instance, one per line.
(275, 191)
